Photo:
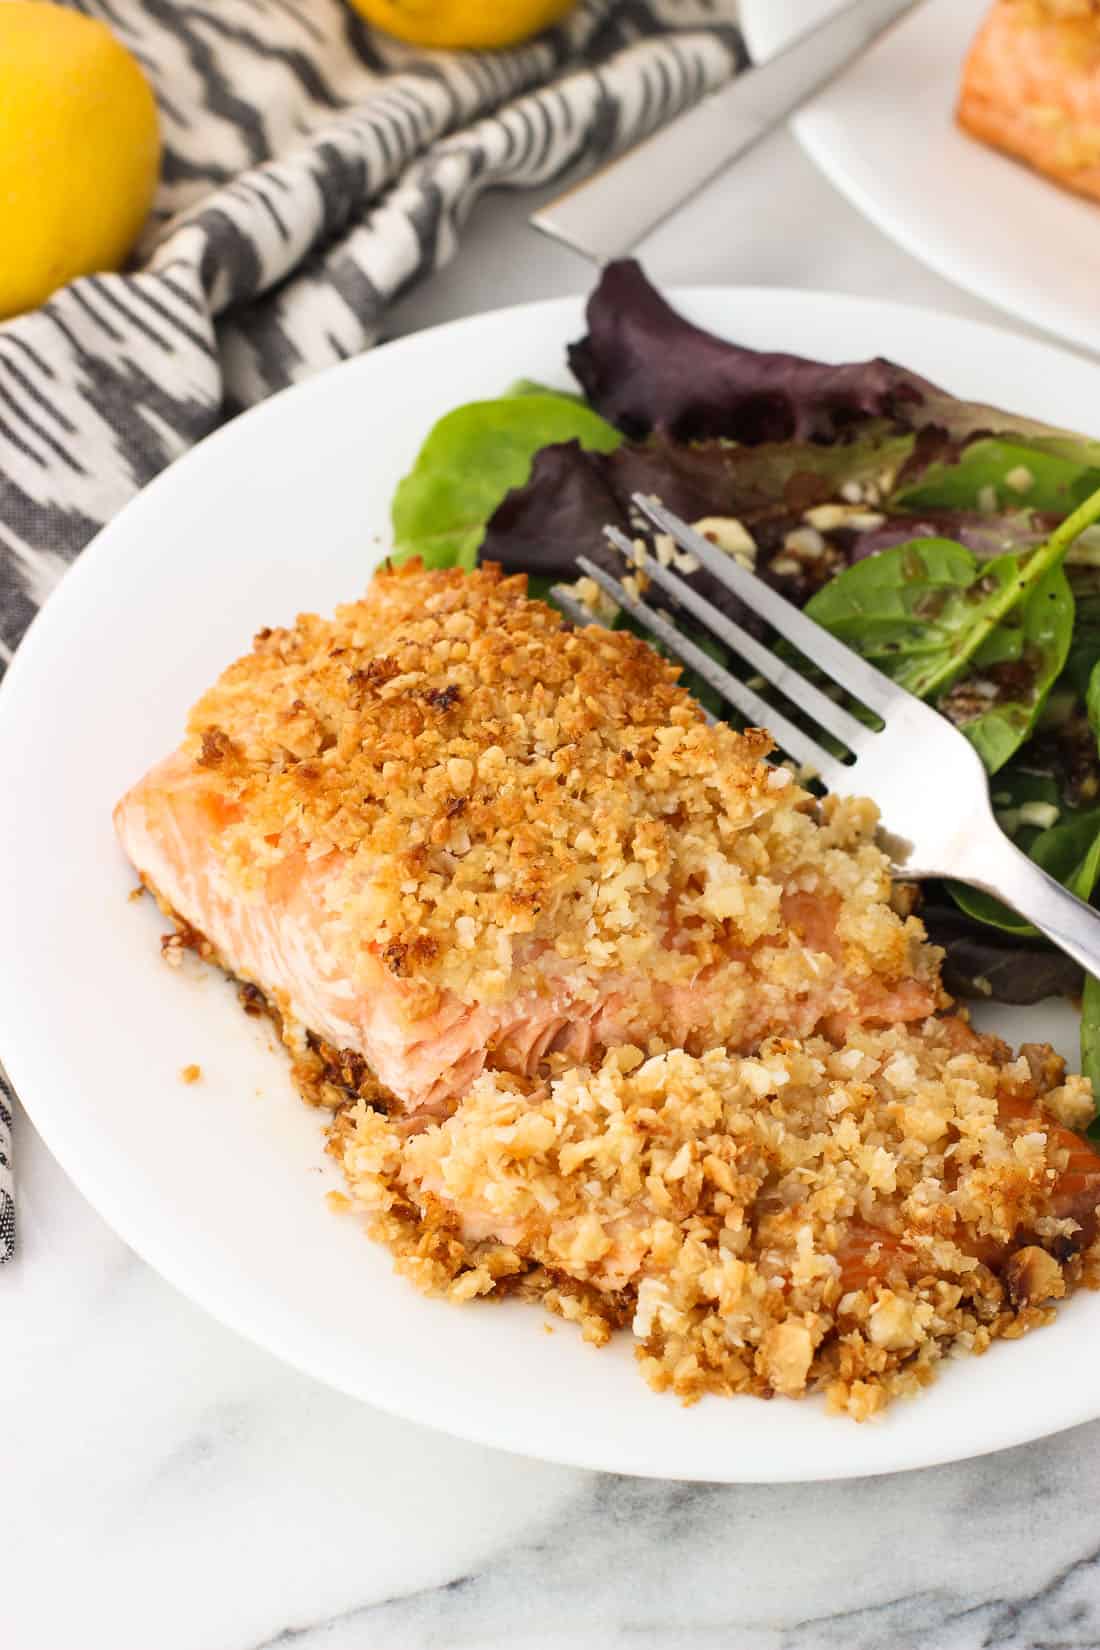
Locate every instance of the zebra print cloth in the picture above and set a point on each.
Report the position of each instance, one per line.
(313, 171)
(7, 1202)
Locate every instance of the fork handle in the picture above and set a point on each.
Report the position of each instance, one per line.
(1003, 870)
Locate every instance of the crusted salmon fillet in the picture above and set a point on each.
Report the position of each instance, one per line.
(443, 830)
(1031, 86)
(813, 1216)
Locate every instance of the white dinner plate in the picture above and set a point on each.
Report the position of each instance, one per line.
(884, 133)
(221, 1185)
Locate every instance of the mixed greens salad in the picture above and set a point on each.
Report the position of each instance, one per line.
(949, 542)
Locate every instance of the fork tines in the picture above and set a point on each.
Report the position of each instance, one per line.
(752, 707)
(851, 672)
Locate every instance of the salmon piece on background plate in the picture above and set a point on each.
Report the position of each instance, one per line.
(1031, 87)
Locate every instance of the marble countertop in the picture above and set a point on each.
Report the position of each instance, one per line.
(164, 1485)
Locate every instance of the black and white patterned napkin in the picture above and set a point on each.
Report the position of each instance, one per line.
(313, 171)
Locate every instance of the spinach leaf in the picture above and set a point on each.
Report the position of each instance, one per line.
(921, 611)
(1069, 849)
(1070, 852)
(1023, 657)
(1040, 481)
(471, 459)
(904, 609)
(1090, 1042)
(1084, 652)
(927, 616)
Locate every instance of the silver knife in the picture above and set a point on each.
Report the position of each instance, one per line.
(610, 212)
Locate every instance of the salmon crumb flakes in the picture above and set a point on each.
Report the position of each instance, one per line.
(836, 1219)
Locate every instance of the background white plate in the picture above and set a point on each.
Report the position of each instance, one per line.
(220, 1186)
(884, 134)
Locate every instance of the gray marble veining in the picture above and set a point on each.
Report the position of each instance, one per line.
(1001, 1552)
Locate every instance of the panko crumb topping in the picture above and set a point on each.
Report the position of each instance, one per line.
(497, 796)
(814, 1217)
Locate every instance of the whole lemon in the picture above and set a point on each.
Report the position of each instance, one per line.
(79, 150)
(469, 24)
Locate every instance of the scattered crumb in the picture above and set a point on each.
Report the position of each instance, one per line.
(173, 947)
(136, 893)
(905, 898)
(190, 1074)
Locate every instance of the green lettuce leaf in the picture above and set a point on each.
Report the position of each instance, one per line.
(925, 611)
(1084, 652)
(531, 386)
(979, 477)
(1090, 1041)
(1069, 851)
(1035, 638)
(471, 459)
(1092, 700)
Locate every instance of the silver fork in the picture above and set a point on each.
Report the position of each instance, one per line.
(925, 776)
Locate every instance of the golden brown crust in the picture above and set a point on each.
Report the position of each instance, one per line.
(498, 797)
(812, 1217)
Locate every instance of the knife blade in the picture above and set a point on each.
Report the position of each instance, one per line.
(608, 213)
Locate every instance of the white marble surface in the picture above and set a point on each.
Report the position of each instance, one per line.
(166, 1486)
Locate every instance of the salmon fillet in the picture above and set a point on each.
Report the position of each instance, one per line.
(1031, 87)
(813, 1215)
(443, 830)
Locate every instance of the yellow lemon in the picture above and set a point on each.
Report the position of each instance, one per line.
(470, 24)
(79, 150)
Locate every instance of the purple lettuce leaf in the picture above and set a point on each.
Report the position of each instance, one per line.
(646, 368)
(557, 515)
(983, 962)
(985, 535)
(572, 494)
